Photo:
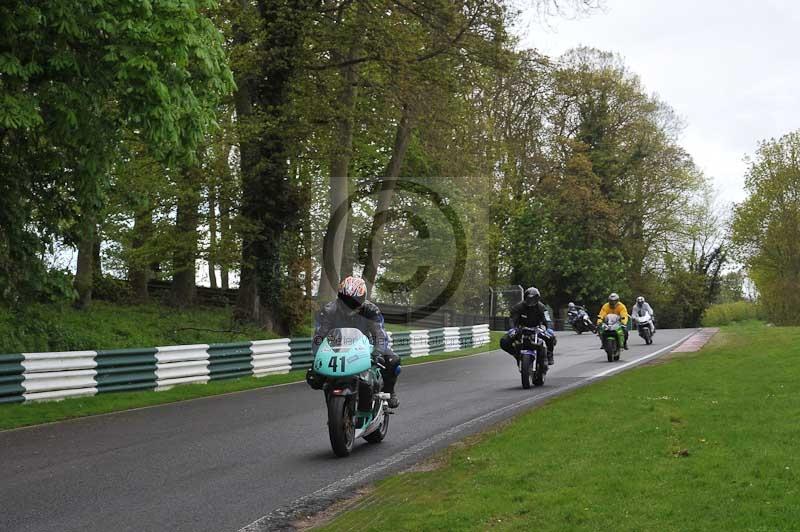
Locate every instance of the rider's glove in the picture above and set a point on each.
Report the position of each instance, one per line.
(551, 332)
(512, 333)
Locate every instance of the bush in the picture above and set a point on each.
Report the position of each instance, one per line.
(726, 313)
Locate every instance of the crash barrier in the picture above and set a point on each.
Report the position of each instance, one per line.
(58, 375)
(38, 376)
(415, 343)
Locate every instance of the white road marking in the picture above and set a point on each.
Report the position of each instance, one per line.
(646, 357)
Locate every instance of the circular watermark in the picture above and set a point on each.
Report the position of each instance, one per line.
(421, 193)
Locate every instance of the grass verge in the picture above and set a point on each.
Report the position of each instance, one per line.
(25, 414)
(706, 441)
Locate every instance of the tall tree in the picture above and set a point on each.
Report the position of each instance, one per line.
(766, 226)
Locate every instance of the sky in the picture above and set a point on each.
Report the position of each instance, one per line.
(729, 68)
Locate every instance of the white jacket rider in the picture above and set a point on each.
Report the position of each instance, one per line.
(641, 308)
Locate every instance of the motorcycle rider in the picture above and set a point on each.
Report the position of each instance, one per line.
(530, 312)
(573, 309)
(615, 306)
(641, 308)
(351, 309)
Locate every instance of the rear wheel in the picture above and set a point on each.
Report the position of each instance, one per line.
(341, 429)
(380, 434)
(525, 371)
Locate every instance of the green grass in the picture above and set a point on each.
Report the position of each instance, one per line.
(34, 413)
(112, 326)
(702, 442)
(728, 313)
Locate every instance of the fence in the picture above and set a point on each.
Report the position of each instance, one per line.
(40, 376)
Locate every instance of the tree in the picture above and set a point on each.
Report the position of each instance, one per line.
(766, 226)
(75, 79)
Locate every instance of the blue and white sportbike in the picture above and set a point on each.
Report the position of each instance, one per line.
(357, 408)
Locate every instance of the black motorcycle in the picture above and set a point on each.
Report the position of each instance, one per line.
(532, 356)
(580, 321)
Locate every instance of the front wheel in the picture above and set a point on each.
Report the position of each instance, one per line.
(611, 348)
(648, 335)
(525, 371)
(341, 429)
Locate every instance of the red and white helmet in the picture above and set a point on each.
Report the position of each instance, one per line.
(353, 291)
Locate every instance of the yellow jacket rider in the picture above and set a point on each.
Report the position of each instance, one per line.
(615, 306)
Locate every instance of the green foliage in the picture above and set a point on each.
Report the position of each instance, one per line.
(766, 227)
(729, 313)
(53, 327)
(77, 78)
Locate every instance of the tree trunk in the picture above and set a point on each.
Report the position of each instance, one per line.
(385, 197)
(267, 197)
(97, 264)
(138, 272)
(348, 253)
(332, 267)
(225, 235)
(212, 234)
(333, 246)
(84, 275)
(185, 252)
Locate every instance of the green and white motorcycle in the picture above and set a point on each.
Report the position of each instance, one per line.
(612, 333)
(357, 408)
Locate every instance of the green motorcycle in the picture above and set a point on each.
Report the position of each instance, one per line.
(612, 332)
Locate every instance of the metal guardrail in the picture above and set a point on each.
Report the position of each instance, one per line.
(40, 376)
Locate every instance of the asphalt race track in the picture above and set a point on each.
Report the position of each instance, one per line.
(246, 460)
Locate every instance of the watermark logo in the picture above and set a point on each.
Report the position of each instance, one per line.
(417, 222)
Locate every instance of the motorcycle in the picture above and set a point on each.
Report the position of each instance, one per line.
(532, 356)
(613, 335)
(580, 321)
(352, 384)
(646, 327)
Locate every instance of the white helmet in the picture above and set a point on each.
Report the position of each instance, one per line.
(640, 300)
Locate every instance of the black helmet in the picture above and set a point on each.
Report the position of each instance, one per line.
(532, 296)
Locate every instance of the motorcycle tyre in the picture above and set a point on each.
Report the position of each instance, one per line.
(341, 428)
(611, 349)
(525, 371)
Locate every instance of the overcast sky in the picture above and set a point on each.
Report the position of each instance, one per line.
(731, 69)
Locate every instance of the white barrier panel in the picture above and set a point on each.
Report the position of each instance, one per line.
(271, 356)
(59, 384)
(61, 361)
(419, 343)
(181, 364)
(451, 337)
(59, 375)
(480, 335)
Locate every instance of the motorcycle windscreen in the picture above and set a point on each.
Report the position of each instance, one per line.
(611, 320)
(343, 353)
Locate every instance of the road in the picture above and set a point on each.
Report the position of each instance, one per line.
(226, 462)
